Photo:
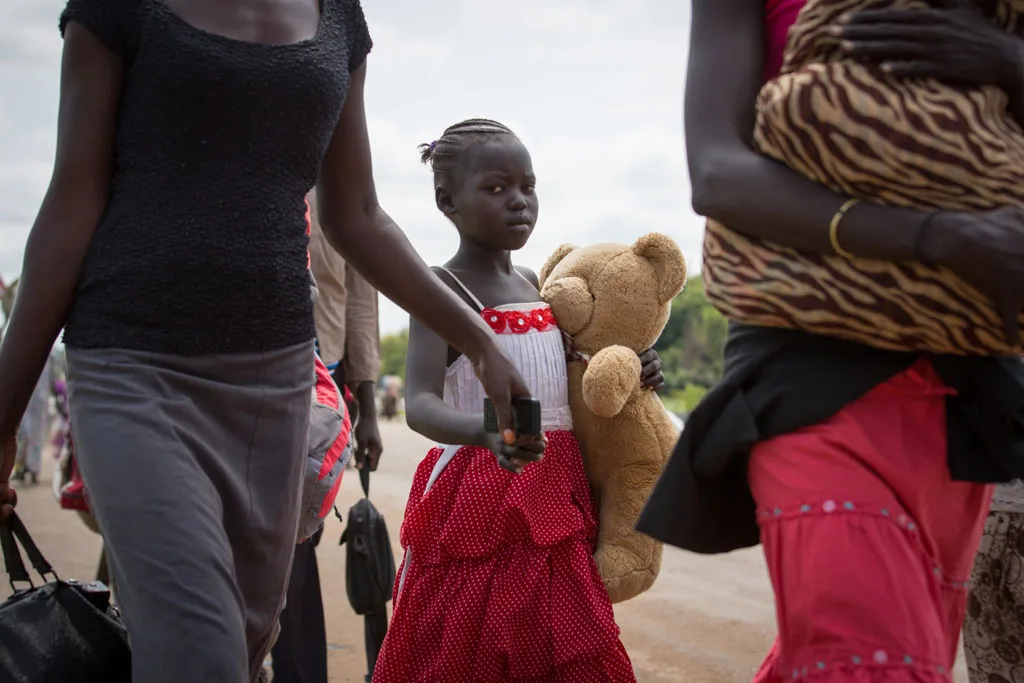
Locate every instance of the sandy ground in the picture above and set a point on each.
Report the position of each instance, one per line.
(707, 620)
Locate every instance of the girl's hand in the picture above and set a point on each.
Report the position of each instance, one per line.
(987, 250)
(521, 452)
(953, 41)
(651, 378)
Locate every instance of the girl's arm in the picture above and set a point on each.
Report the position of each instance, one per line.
(355, 224)
(428, 414)
(425, 410)
(91, 82)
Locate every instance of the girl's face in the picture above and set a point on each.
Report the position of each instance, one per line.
(496, 201)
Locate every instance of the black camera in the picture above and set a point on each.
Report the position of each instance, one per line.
(525, 416)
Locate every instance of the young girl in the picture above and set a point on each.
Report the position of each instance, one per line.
(498, 583)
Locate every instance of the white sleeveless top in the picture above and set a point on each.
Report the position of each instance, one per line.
(530, 336)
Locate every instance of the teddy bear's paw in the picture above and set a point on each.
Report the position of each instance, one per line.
(625, 573)
(610, 379)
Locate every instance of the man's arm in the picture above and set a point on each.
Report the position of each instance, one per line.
(362, 363)
(362, 330)
(329, 270)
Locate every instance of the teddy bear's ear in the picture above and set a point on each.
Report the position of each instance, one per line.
(668, 261)
(554, 260)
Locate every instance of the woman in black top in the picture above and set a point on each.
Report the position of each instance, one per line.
(171, 246)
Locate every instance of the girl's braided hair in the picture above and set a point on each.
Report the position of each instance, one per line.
(444, 154)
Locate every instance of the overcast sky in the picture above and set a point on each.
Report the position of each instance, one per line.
(593, 87)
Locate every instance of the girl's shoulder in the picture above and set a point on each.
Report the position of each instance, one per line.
(476, 289)
(455, 284)
(530, 276)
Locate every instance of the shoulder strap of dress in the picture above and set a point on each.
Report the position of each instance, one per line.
(525, 279)
(465, 290)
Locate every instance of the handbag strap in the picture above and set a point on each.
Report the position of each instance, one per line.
(364, 481)
(13, 563)
(35, 556)
(11, 534)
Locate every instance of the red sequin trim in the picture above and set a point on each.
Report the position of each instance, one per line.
(495, 319)
(539, 319)
(519, 322)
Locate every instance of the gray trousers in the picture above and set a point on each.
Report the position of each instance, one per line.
(193, 467)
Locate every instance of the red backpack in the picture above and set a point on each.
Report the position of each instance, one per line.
(330, 447)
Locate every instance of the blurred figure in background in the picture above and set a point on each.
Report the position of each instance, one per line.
(34, 431)
(7, 292)
(392, 395)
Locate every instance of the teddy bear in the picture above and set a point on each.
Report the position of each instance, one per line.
(612, 301)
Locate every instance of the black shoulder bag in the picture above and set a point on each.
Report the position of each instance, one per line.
(369, 569)
(60, 631)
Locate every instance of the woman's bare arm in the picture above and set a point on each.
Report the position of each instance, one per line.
(742, 189)
(90, 92)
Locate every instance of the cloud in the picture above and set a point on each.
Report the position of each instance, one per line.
(593, 87)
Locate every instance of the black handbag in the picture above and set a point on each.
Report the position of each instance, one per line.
(369, 563)
(369, 570)
(61, 631)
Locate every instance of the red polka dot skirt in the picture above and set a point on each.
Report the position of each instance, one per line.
(501, 583)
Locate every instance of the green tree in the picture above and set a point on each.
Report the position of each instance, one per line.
(692, 343)
(393, 349)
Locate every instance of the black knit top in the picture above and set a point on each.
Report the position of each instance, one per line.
(203, 246)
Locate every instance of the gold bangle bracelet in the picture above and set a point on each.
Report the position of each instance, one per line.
(833, 229)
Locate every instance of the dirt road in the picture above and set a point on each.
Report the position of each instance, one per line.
(707, 620)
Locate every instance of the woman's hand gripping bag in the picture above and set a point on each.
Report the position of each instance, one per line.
(612, 301)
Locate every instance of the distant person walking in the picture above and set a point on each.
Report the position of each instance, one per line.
(7, 292)
(34, 430)
(392, 395)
